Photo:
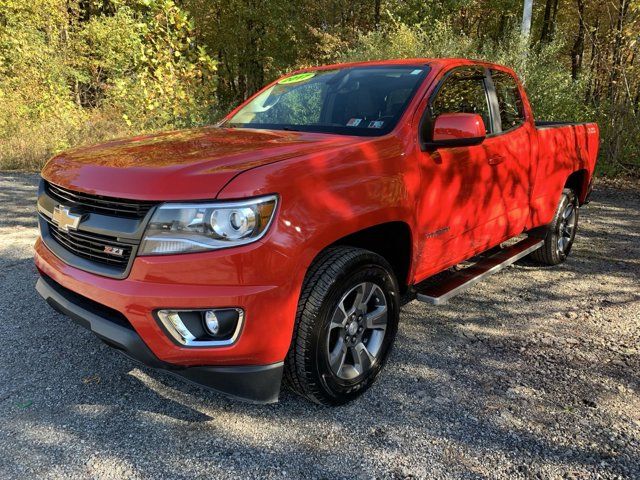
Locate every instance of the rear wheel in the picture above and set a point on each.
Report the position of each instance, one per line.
(561, 232)
(345, 326)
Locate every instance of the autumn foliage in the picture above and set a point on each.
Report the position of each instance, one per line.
(81, 71)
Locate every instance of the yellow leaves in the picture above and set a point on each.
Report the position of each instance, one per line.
(140, 63)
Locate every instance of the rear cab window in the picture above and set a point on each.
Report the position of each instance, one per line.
(509, 100)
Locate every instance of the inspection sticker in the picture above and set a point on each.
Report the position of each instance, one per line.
(301, 77)
(376, 124)
(354, 122)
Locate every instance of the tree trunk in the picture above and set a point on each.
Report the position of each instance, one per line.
(549, 21)
(376, 14)
(253, 65)
(577, 52)
(554, 20)
(593, 64)
(614, 78)
(526, 20)
(502, 26)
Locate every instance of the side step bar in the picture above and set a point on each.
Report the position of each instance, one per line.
(458, 282)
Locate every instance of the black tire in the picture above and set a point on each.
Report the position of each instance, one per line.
(335, 273)
(557, 239)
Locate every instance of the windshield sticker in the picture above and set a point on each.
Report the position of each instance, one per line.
(416, 72)
(376, 124)
(301, 77)
(354, 122)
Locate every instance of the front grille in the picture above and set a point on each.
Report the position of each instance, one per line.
(91, 246)
(99, 204)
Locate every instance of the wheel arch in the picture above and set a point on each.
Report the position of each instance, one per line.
(391, 240)
(578, 181)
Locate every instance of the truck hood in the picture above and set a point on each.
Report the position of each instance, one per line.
(180, 165)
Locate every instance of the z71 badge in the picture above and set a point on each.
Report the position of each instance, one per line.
(118, 252)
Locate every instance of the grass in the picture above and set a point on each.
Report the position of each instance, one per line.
(28, 146)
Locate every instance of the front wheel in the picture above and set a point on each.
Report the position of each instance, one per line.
(345, 326)
(561, 232)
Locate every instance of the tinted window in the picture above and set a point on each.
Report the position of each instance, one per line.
(463, 92)
(509, 100)
(355, 101)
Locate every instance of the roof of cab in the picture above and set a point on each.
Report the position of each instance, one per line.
(432, 62)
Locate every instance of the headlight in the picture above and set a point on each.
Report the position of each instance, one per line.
(198, 227)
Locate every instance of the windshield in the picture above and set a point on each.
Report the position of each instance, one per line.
(351, 101)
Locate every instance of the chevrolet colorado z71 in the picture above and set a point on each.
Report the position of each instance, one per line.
(281, 242)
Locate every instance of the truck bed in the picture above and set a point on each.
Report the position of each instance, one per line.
(564, 148)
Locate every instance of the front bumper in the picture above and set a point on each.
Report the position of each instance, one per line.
(260, 384)
(261, 285)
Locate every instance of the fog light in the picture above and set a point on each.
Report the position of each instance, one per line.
(211, 322)
(203, 328)
(222, 323)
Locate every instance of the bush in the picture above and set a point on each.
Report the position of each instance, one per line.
(65, 82)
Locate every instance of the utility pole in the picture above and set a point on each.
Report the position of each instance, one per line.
(525, 30)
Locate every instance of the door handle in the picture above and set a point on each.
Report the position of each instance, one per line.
(496, 159)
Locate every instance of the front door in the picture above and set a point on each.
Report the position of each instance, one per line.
(461, 202)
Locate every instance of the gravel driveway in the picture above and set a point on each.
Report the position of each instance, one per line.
(532, 374)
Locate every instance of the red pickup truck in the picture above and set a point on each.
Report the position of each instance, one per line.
(282, 242)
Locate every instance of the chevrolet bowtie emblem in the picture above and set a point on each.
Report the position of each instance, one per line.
(65, 219)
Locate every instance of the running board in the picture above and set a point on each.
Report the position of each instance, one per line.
(459, 281)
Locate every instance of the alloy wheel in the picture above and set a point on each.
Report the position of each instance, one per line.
(357, 330)
(567, 228)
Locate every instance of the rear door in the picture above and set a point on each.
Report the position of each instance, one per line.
(509, 153)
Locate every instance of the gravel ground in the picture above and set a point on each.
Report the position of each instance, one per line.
(532, 374)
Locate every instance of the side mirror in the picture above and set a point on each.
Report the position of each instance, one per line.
(458, 130)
